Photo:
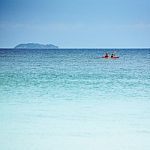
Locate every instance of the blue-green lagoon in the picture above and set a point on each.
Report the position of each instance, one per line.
(71, 99)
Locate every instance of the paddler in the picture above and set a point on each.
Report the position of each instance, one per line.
(106, 54)
(112, 55)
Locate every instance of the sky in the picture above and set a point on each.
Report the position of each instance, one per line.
(76, 23)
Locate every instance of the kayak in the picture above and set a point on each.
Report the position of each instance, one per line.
(110, 57)
(115, 57)
(105, 56)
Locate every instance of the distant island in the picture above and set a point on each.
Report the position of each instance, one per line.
(35, 46)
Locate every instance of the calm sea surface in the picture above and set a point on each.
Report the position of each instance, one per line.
(73, 100)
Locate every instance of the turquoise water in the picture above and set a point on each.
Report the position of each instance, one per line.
(73, 100)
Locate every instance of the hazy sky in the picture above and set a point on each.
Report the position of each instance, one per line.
(76, 23)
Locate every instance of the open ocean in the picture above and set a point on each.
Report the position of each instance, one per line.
(69, 99)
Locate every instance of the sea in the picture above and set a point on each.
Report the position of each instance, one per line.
(72, 99)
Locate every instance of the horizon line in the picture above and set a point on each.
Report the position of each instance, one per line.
(82, 48)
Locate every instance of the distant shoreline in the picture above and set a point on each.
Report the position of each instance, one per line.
(35, 46)
(74, 48)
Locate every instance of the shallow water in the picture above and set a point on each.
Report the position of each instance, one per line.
(71, 99)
